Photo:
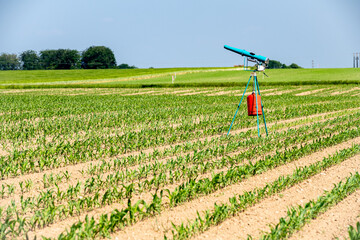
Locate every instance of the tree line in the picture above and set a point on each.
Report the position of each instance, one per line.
(276, 64)
(94, 57)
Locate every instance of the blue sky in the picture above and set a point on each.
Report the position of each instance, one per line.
(174, 33)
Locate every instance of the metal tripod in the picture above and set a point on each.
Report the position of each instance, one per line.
(257, 90)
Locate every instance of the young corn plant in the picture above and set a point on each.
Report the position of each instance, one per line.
(354, 232)
(298, 216)
(193, 188)
(242, 202)
(109, 223)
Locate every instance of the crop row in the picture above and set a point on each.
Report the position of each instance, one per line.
(240, 203)
(63, 154)
(48, 211)
(354, 232)
(276, 141)
(158, 170)
(27, 106)
(198, 161)
(53, 126)
(100, 146)
(119, 219)
(212, 149)
(192, 188)
(131, 115)
(298, 216)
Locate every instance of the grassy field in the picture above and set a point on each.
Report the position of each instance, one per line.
(162, 77)
(156, 162)
(53, 76)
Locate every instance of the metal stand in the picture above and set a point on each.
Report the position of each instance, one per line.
(257, 90)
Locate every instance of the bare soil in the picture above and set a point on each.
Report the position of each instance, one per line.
(334, 222)
(74, 170)
(219, 93)
(139, 93)
(194, 93)
(343, 92)
(162, 223)
(155, 228)
(256, 219)
(3, 152)
(310, 92)
(77, 176)
(278, 92)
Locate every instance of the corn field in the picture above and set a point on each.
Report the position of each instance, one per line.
(156, 163)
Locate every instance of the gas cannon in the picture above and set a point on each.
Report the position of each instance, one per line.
(254, 102)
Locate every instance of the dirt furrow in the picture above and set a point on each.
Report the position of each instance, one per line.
(78, 177)
(311, 92)
(63, 186)
(279, 92)
(334, 222)
(345, 91)
(188, 210)
(3, 152)
(194, 93)
(147, 196)
(256, 219)
(74, 169)
(75, 173)
(140, 93)
(230, 92)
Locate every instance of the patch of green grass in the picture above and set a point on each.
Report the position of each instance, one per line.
(42, 76)
(186, 77)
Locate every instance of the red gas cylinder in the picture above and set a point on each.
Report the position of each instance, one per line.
(251, 103)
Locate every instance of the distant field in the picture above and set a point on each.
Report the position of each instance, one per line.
(52, 76)
(126, 154)
(162, 77)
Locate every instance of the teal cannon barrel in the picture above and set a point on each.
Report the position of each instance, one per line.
(250, 55)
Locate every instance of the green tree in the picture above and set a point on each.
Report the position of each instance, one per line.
(48, 59)
(69, 59)
(9, 62)
(60, 59)
(126, 66)
(30, 60)
(98, 57)
(294, 65)
(277, 64)
(284, 66)
(274, 64)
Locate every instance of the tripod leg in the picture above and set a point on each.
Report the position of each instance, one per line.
(262, 108)
(239, 106)
(257, 112)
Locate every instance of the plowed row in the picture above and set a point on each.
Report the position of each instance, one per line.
(150, 158)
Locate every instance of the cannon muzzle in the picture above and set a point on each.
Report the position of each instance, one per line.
(250, 55)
